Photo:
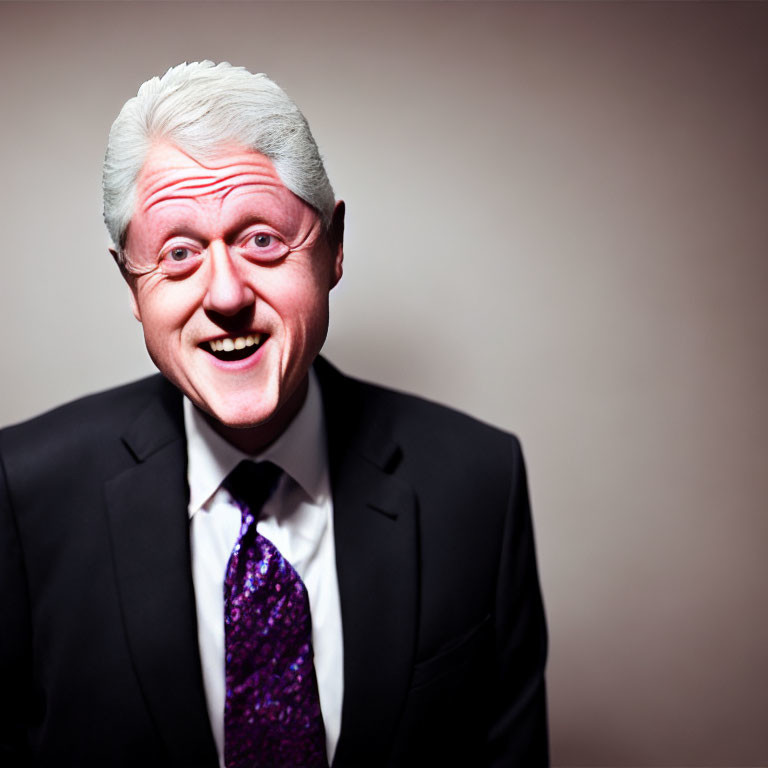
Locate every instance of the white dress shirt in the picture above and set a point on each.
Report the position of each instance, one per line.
(297, 519)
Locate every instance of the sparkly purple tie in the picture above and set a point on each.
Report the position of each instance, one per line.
(272, 712)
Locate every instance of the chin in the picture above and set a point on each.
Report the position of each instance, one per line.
(247, 404)
(246, 416)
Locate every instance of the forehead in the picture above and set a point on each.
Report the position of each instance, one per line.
(170, 175)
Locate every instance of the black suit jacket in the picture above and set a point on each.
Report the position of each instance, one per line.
(444, 634)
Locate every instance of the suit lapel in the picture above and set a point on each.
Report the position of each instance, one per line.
(377, 566)
(147, 514)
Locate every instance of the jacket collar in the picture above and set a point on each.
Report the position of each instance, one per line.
(147, 516)
(377, 566)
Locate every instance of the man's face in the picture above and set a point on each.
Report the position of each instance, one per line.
(238, 308)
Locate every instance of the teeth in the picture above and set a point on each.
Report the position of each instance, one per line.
(239, 342)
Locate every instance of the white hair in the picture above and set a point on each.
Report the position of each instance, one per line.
(200, 107)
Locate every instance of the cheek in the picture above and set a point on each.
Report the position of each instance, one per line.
(163, 312)
(304, 311)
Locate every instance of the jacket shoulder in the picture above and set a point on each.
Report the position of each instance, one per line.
(439, 432)
(71, 431)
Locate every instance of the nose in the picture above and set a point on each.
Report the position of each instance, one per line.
(228, 292)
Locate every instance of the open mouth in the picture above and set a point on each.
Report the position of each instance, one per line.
(235, 347)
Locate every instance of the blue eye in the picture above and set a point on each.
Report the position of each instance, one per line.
(180, 260)
(263, 247)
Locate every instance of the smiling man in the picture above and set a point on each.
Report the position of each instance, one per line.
(230, 274)
(251, 559)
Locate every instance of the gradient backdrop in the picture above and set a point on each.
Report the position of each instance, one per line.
(558, 222)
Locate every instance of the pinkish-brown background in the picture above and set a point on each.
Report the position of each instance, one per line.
(558, 221)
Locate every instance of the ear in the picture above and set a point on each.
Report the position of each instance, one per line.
(131, 283)
(336, 239)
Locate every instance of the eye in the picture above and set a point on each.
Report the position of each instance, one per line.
(263, 247)
(180, 260)
(262, 240)
(179, 254)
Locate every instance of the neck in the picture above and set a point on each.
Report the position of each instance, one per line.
(253, 440)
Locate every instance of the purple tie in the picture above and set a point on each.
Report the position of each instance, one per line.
(272, 712)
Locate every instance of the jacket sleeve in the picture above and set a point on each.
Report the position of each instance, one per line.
(518, 732)
(15, 640)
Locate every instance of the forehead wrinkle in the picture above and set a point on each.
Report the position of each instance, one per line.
(199, 187)
(156, 171)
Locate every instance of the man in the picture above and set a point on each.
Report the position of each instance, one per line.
(377, 604)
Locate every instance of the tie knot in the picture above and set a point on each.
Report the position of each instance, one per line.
(251, 484)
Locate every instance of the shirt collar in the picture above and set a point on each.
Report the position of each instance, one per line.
(300, 451)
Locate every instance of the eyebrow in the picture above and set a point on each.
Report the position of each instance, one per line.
(250, 219)
(188, 227)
